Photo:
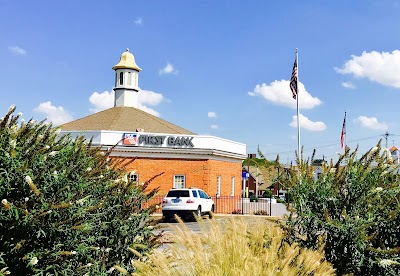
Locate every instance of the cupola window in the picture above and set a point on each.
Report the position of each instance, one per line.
(121, 78)
(129, 82)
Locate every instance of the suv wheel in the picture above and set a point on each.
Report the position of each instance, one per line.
(211, 213)
(198, 212)
(167, 218)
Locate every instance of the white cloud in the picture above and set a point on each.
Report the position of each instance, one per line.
(101, 101)
(214, 127)
(348, 85)
(383, 68)
(168, 69)
(306, 123)
(149, 110)
(138, 21)
(371, 123)
(279, 93)
(149, 97)
(212, 114)
(18, 51)
(57, 115)
(105, 100)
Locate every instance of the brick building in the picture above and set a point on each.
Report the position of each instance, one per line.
(186, 159)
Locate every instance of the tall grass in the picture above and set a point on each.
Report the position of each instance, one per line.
(236, 247)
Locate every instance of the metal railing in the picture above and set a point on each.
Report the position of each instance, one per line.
(235, 205)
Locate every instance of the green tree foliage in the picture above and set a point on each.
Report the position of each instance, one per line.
(270, 171)
(267, 193)
(353, 209)
(65, 206)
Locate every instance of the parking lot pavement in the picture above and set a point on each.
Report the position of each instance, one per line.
(194, 226)
(168, 228)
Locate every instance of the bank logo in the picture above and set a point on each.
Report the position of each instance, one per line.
(129, 139)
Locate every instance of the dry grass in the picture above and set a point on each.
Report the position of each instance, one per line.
(236, 247)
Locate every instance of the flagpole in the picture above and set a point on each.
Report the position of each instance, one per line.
(297, 104)
(345, 131)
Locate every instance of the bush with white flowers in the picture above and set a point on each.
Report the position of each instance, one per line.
(353, 209)
(57, 217)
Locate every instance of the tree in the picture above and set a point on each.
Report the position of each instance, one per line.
(352, 209)
(65, 206)
(270, 170)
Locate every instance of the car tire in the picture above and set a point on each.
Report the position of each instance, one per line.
(211, 213)
(197, 213)
(166, 218)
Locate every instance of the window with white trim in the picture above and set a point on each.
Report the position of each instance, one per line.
(218, 185)
(129, 81)
(232, 186)
(179, 181)
(133, 177)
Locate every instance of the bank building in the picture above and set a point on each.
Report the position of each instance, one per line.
(186, 159)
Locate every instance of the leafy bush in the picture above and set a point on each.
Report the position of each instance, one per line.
(253, 199)
(237, 211)
(65, 209)
(353, 209)
(261, 213)
(267, 194)
(236, 247)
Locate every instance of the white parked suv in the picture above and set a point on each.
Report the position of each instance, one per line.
(187, 202)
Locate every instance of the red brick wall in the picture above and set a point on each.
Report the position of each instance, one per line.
(226, 170)
(198, 173)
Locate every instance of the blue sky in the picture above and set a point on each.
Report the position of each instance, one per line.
(220, 68)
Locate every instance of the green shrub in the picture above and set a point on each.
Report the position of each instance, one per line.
(253, 199)
(233, 247)
(353, 209)
(261, 213)
(65, 209)
(267, 194)
(237, 211)
(279, 200)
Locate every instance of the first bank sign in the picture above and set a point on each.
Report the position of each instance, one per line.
(134, 139)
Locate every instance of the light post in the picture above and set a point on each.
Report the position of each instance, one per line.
(277, 178)
(270, 203)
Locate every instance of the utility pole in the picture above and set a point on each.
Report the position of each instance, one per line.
(386, 137)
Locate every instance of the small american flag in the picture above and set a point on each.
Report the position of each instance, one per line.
(293, 80)
(129, 139)
(343, 135)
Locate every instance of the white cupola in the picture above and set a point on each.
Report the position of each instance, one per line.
(126, 80)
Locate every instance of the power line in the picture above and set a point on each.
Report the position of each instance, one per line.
(327, 145)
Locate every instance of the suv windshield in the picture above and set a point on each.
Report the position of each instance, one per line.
(178, 193)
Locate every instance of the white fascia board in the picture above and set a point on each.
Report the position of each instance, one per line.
(173, 153)
(111, 138)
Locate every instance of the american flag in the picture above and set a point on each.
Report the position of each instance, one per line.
(342, 137)
(293, 80)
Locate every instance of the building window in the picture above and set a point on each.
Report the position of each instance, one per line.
(133, 177)
(218, 185)
(179, 181)
(121, 78)
(129, 81)
(233, 186)
(116, 79)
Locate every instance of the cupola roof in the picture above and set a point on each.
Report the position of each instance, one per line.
(127, 61)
